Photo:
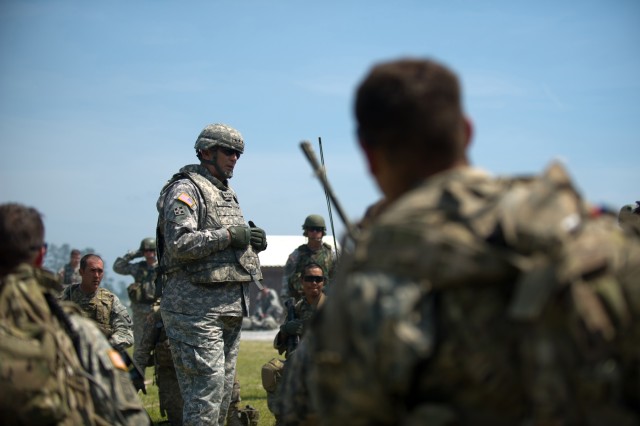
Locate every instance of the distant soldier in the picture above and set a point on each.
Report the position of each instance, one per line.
(70, 273)
(142, 292)
(268, 313)
(154, 343)
(313, 251)
(99, 304)
(56, 367)
(629, 217)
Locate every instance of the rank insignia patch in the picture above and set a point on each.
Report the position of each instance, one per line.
(179, 211)
(185, 198)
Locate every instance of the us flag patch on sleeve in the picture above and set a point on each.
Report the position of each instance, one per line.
(185, 198)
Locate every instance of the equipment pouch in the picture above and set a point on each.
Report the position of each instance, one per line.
(271, 374)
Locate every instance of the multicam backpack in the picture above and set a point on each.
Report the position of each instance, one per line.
(43, 381)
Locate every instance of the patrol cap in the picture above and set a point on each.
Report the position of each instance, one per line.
(220, 135)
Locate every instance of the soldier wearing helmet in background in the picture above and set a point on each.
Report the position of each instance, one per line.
(629, 217)
(208, 256)
(314, 251)
(142, 292)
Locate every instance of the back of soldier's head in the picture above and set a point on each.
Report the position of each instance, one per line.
(412, 108)
(21, 235)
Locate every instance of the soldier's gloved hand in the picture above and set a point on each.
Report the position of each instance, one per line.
(240, 236)
(132, 254)
(293, 327)
(258, 238)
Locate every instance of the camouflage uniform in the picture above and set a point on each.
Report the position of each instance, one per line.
(56, 367)
(154, 341)
(268, 313)
(69, 275)
(141, 292)
(298, 259)
(290, 401)
(106, 310)
(474, 300)
(206, 288)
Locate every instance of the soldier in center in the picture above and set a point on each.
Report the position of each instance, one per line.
(208, 257)
(314, 251)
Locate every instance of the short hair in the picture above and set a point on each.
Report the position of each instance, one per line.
(413, 108)
(74, 251)
(83, 261)
(313, 265)
(21, 234)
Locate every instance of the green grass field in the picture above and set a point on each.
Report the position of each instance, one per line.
(250, 360)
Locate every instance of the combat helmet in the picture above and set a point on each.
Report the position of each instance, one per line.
(148, 244)
(314, 221)
(220, 135)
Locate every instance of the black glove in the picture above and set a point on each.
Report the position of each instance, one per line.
(240, 236)
(293, 327)
(258, 238)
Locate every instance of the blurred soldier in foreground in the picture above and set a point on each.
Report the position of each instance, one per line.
(154, 343)
(472, 300)
(99, 304)
(55, 366)
(629, 217)
(268, 313)
(142, 292)
(313, 251)
(208, 257)
(70, 273)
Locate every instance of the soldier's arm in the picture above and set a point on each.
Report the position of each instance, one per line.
(123, 266)
(121, 325)
(359, 380)
(184, 241)
(289, 269)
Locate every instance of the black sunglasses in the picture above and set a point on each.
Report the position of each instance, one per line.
(313, 278)
(230, 151)
(315, 229)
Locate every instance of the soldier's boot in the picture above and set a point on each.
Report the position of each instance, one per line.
(233, 416)
(249, 416)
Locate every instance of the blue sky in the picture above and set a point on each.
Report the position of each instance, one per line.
(100, 103)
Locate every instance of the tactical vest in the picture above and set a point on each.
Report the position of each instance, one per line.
(98, 308)
(323, 257)
(43, 381)
(219, 209)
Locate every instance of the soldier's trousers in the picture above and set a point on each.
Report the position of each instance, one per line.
(140, 312)
(169, 394)
(205, 366)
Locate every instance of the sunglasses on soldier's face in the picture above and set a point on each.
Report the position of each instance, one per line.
(313, 279)
(315, 229)
(229, 152)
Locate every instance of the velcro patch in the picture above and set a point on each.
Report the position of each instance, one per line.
(186, 198)
(179, 211)
(117, 360)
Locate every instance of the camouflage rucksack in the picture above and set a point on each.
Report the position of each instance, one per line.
(43, 381)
